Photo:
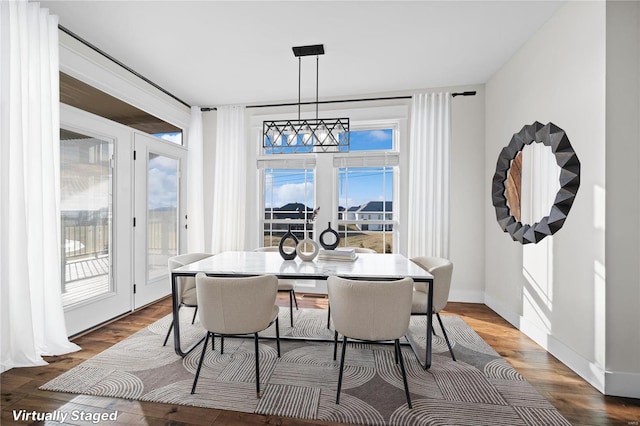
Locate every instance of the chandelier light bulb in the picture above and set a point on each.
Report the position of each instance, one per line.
(322, 133)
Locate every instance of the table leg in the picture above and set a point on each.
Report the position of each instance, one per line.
(176, 319)
(426, 361)
(429, 326)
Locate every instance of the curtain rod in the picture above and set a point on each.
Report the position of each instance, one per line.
(114, 60)
(337, 101)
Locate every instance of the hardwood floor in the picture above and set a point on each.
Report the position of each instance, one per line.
(578, 401)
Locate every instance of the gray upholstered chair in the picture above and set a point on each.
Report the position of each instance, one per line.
(236, 306)
(370, 311)
(357, 250)
(284, 285)
(441, 269)
(186, 285)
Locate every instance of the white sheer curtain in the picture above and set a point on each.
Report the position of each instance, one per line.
(31, 301)
(229, 183)
(429, 175)
(195, 191)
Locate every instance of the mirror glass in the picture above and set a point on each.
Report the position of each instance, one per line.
(513, 187)
(532, 183)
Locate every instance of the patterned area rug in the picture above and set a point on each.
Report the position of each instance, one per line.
(480, 388)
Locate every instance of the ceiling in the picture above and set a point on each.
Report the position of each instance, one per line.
(210, 53)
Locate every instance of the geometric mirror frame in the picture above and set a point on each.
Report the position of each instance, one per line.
(566, 158)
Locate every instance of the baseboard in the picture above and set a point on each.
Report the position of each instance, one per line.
(589, 371)
(466, 296)
(622, 384)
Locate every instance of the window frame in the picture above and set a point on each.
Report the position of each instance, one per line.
(324, 173)
(394, 152)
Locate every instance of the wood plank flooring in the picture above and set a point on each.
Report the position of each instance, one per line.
(578, 401)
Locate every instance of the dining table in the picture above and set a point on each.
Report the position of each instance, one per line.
(366, 266)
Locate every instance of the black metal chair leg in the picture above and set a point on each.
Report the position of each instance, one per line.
(344, 347)
(335, 344)
(221, 344)
(446, 338)
(168, 333)
(328, 316)
(204, 349)
(295, 300)
(395, 352)
(278, 336)
(195, 312)
(291, 306)
(257, 366)
(404, 373)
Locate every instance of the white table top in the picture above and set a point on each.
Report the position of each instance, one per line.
(366, 266)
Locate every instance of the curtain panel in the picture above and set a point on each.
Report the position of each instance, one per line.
(195, 182)
(230, 181)
(429, 175)
(30, 251)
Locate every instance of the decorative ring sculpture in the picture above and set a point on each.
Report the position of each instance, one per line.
(328, 231)
(286, 255)
(566, 158)
(304, 255)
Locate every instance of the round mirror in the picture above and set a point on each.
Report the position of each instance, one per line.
(534, 185)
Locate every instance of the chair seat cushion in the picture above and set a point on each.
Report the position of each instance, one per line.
(419, 302)
(285, 286)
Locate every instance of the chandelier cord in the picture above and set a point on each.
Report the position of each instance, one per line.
(299, 83)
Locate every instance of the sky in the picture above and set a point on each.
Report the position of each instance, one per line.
(162, 182)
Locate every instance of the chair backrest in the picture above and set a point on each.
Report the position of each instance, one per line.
(236, 305)
(185, 283)
(370, 310)
(441, 269)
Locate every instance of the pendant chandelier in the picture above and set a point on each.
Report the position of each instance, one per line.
(306, 135)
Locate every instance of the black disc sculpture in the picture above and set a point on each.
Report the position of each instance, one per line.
(555, 138)
(326, 232)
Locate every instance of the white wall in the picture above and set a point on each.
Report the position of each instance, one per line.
(468, 195)
(564, 300)
(467, 189)
(623, 199)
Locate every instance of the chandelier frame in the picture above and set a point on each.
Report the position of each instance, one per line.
(306, 135)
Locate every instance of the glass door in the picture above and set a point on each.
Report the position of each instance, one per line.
(95, 194)
(157, 222)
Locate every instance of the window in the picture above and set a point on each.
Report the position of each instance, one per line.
(86, 207)
(361, 203)
(173, 137)
(365, 207)
(288, 202)
(365, 191)
(162, 213)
